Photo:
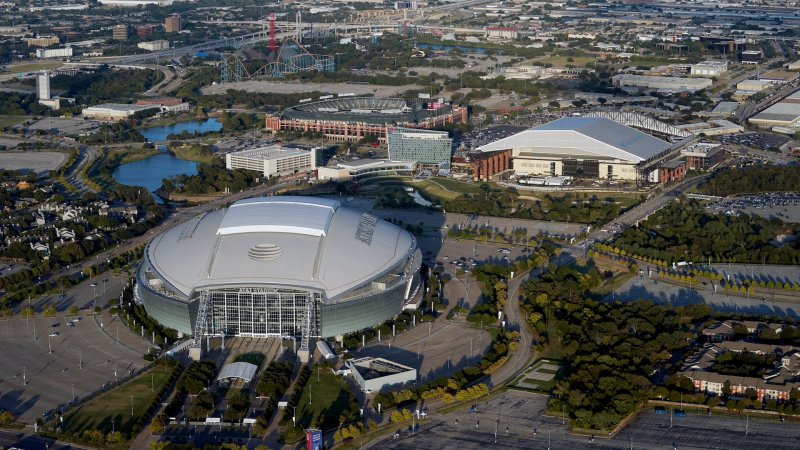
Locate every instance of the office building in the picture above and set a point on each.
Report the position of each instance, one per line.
(144, 30)
(709, 68)
(751, 56)
(702, 155)
(119, 32)
(54, 52)
(420, 146)
(152, 46)
(42, 41)
(173, 24)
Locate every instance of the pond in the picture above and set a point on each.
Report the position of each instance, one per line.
(159, 134)
(449, 48)
(150, 172)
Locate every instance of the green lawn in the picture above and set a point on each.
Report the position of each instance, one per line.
(561, 61)
(116, 405)
(457, 186)
(651, 61)
(434, 188)
(8, 121)
(622, 198)
(252, 358)
(329, 397)
(34, 67)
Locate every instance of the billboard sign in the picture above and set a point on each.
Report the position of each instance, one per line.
(313, 439)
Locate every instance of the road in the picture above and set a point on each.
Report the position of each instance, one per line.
(516, 420)
(516, 321)
(24, 439)
(641, 211)
(750, 108)
(87, 155)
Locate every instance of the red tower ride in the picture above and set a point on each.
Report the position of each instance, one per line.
(273, 45)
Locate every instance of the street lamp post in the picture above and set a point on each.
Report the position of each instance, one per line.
(94, 295)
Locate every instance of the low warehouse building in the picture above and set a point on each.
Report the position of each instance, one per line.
(376, 374)
(115, 111)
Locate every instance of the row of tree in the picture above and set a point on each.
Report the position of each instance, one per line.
(683, 231)
(753, 179)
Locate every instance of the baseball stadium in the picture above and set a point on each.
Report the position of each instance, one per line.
(350, 119)
(283, 266)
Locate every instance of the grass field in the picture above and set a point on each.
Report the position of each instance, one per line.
(625, 200)
(116, 405)
(434, 188)
(190, 153)
(328, 397)
(651, 62)
(8, 121)
(33, 67)
(561, 61)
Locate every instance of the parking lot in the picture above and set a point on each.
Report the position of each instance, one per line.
(515, 420)
(65, 126)
(475, 139)
(757, 140)
(36, 162)
(670, 294)
(784, 206)
(84, 356)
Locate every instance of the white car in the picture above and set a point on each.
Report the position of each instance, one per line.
(54, 334)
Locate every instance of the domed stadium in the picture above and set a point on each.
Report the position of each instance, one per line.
(289, 266)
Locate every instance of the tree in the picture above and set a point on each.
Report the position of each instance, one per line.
(95, 438)
(73, 310)
(158, 424)
(726, 389)
(6, 418)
